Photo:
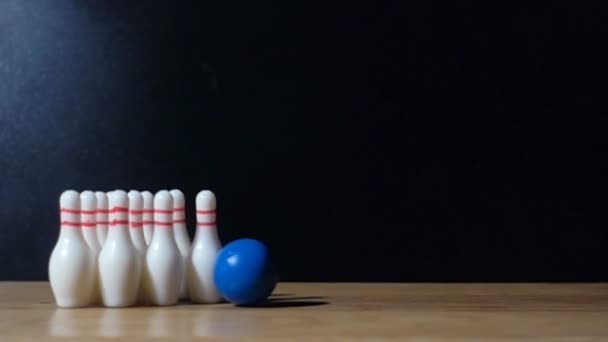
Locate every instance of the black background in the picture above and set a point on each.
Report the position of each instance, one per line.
(362, 141)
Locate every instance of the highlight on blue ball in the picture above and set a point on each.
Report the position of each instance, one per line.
(244, 273)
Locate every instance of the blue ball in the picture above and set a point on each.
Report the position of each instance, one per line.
(243, 272)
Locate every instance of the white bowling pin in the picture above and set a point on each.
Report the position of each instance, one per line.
(148, 218)
(119, 261)
(102, 216)
(135, 221)
(71, 266)
(88, 220)
(164, 268)
(181, 234)
(137, 233)
(206, 245)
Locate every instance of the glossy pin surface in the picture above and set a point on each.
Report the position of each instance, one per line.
(101, 217)
(137, 233)
(136, 221)
(163, 267)
(88, 220)
(71, 265)
(201, 260)
(148, 215)
(119, 261)
(181, 234)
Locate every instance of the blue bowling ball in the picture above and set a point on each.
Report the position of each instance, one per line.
(243, 272)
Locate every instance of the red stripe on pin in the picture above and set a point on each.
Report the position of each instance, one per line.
(205, 224)
(179, 221)
(164, 224)
(163, 211)
(136, 212)
(136, 224)
(119, 222)
(91, 212)
(210, 211)
(89, 224)
(70, 224)
(119, 210)
(103, 222)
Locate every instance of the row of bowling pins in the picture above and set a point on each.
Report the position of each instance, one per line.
(102, 255)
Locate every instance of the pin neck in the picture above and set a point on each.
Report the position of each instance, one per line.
(206, 233)
(163, 223)
(102, 221)
(71, 230)
(162, 232)
(205, 218)
(135, 220)
(118, 231)
(179, 214)
(147, 218)
(89, 233)
(179, 223)
(138, 239)
(136, 225)
(71, 226)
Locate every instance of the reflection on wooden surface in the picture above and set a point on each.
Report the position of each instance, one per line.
(475, 312)
(112, 322)
(65, 323)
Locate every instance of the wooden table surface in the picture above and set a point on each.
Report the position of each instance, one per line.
(330, 311)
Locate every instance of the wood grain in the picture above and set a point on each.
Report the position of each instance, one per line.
(330, 311)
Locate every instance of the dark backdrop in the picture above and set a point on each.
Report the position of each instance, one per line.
(368, 141)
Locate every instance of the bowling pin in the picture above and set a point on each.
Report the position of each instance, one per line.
(88, 218)
(148, 217)
(71, 266)
(119, 261)
(102, 216)
(164, 268)
(181, 234)
(136, 203)
(206, 245)
(135, 221)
